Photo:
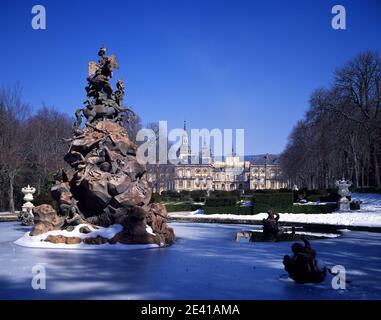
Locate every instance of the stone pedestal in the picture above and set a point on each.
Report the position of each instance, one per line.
(344, 204)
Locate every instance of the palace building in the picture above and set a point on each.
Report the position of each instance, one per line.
(229, 174)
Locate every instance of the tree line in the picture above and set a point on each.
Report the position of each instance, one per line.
(340, 135)
(31, 146)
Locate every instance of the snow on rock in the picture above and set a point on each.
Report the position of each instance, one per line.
(38, 241)
(368, 216)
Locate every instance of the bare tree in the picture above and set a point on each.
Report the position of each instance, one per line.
(13, 114)
(340, 135)
(44, 133)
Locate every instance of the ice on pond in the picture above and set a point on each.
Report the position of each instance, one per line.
(204, 263)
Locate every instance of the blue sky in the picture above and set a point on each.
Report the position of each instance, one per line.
(216, 63)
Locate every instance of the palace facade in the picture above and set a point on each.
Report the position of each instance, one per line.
(231, 173)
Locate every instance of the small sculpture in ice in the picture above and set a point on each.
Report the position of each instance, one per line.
(302, 267)
(26, 214)
(270, 226)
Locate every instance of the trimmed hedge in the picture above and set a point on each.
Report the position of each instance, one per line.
(226, 194)
(198, 195)
(310, 209)
(229, 210)
(283, 203)
(220, 201)
(307, 209)
(278, 202)
(182, 207)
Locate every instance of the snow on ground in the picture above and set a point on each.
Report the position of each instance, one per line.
(38, 241)
(204, 263)
(369, 215)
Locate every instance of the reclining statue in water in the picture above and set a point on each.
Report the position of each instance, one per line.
(270, 226)
(303, 267)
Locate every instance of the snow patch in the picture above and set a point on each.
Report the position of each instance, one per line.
(38, 241)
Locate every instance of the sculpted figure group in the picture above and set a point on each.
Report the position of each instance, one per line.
(101, 102)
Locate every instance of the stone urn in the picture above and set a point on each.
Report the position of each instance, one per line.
(26, 215)
(343, 185)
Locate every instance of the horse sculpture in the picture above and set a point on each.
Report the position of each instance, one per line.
(93, 113)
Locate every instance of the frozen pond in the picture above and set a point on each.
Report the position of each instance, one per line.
(204, 263)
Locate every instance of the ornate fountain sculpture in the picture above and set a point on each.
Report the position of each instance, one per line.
(26, 215)
(343, 185)
(105, 184)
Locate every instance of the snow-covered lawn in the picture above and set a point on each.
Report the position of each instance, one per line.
(369, 215)
(204, 263)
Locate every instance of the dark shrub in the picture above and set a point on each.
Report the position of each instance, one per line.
(220, 201)
(182, 207)
(228, 210)
(333, 197)
(262, 202)
(198, 195)
(168, 195)
(312, 209)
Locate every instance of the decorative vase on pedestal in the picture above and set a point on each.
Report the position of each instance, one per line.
(344, 203)
(26, 215)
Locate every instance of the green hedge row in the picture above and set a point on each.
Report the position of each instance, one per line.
(278, 202)
(220, 201)
(182, 207)
(283, 203)
(228, 210)
(308, 209)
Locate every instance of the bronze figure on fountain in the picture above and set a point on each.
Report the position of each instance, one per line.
(101, 101)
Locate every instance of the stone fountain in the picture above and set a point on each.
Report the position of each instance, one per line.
(105, 184)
